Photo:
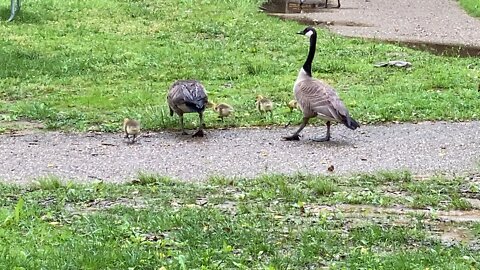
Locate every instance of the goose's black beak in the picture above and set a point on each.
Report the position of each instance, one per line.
(300, 33)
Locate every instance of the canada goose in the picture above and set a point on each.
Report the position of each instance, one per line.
(187, 96)
(316, 98)
(292, 105)
(131, 127)
(264, 105)
(223, 109)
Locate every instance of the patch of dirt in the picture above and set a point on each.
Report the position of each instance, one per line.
(471, 190)
(20, 127)
(226, 206)
(450, 227)
(104, 204)
(450, 235)
(369, 211)
(475, 203)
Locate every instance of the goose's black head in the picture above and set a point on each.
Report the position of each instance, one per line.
(308, 31)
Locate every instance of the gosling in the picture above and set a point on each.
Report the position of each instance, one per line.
(131, 127)
(292, 105)
(264, 105)
(223, 109)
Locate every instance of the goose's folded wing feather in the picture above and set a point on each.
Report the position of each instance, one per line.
(187, 92)
(318, 97)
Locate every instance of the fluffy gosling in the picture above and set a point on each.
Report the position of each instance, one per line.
(264, 105)
(223, 109)
(292, 105)
(131, 127)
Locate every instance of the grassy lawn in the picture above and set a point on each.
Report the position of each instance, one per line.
(471, 6)
(271, 222)
(88, 64)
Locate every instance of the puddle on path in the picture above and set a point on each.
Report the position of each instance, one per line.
(439, 49)
(289, 9)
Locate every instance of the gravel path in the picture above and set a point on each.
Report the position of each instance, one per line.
(423, 148)
(434, 21)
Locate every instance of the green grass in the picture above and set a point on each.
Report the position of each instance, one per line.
(471, 6)
(269, 222)
(88, 64)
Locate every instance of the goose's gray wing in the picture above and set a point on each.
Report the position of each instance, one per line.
(187, 96)
(317, 98)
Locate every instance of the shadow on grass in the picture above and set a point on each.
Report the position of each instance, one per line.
(22, 16)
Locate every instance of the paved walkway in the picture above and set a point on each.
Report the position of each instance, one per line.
(431, 21)
(423, 148)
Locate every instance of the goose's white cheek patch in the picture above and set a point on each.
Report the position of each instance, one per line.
(309, 33)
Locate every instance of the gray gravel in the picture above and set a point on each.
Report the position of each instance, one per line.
(435, 21)
(423, 148)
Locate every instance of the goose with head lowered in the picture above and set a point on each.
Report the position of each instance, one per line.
(316, 98)
(188, 96)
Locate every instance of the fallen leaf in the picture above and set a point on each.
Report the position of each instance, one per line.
(55, 223)
(331, 168)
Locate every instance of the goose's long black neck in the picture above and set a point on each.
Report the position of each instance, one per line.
(311, 53)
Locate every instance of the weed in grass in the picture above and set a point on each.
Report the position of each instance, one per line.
(422, 201)
(366, 196)
(222, 181)
(460, 203)
(435, 257)
(471, 6)
(386, 236)
(381, 178)
(47, 183)
(322, 186)
(269, 187)
(12, 218)
(476, 228)
(147, 179)
(395, 177)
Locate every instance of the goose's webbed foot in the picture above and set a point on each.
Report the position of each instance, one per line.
(199, 133)
(294, 137)
(321, 139)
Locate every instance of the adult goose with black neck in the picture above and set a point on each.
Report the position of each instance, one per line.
(316, 98)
